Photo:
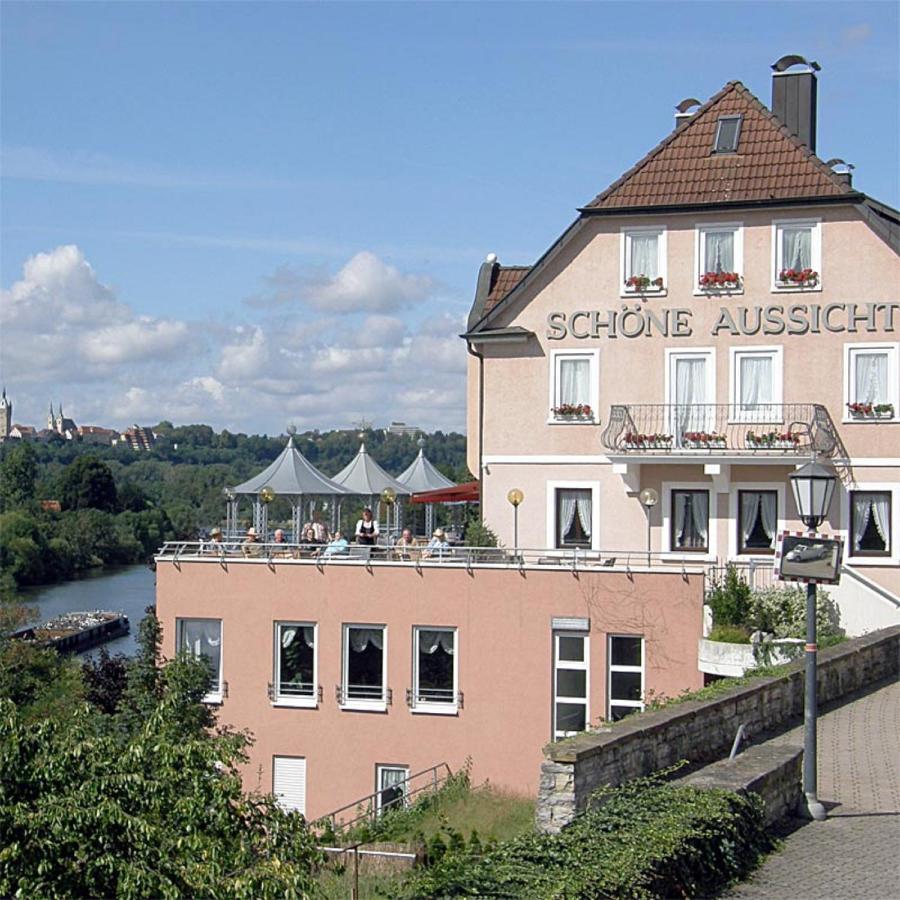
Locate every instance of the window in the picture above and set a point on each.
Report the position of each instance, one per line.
(690, 520)
(392, 787)
(756, 384)
(574, 386)
(295, 664)
(574, 517)
(728, 133)
(719, 258)
(203, 637)
(289, 782)
(870, 523)
(364, 667)
(570, 683)
(625, 675)
(435, 670)
(757, 521)
(871, 382)
(643, 260)
(691, 393)
(797, 252)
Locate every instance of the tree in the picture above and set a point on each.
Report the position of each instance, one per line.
(88, 484)
(105, 679)
(18, 471)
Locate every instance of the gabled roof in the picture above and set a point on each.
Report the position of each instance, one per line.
(504, 280)
(421, 475)
(291, 475)
(770, 164)
(364, 477)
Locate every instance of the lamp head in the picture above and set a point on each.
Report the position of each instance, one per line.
(515, 496)
(267, 494)
(813, 488)
(389, 496)
(648, 497)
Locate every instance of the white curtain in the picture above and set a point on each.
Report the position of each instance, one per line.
(585, 508)
(429, 641)
(796, 248)
(289, 634)
(862, 509)
(756, 382)
(202, 637)
(769, 509)
(700, 514)
(681, 504)
(645, 255)
(360, 638)
(690, 389)
(871, 377)
(749, 512)
(567, 504)
(574, 381)
(719, 251)
(881, 507)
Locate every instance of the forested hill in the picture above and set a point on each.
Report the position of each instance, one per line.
(119, 505)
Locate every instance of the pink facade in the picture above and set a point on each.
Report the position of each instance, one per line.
(504, 640)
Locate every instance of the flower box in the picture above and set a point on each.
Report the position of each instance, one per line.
(720, 281)
(773, 440)
(638, 441)
(871, 410)
(573, 412)
(642, 283)
(704, 440)
(798, 278)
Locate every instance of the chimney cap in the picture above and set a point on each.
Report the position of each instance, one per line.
(792, 59)
(491, 258)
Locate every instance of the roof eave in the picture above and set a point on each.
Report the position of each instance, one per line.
(851, 198)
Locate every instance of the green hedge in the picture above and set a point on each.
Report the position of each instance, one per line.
(644, 839)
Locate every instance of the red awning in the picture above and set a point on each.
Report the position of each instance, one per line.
(460, 493)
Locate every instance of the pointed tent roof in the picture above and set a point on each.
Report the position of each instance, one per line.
(421, 475)
(364, 477)
(291, 475)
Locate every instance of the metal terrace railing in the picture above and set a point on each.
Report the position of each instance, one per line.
(764, 429)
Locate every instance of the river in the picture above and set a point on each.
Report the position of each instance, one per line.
(129, 589)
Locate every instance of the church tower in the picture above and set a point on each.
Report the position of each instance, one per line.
(51, 422)
(5, 416)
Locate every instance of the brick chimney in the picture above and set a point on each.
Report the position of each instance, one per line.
(794, 96)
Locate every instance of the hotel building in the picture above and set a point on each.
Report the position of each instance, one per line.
(723, 310)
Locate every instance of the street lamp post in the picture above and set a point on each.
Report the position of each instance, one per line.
(813, 487)
(649, 498)
(515, 497)
(389, 498)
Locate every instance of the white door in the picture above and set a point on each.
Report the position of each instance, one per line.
(289, 782)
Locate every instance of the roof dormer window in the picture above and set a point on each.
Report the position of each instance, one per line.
(728, 133)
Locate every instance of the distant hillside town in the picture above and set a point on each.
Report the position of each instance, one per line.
(60, 426)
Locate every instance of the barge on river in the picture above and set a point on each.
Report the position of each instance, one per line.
(75, 632)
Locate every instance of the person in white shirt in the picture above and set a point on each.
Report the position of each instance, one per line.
(367, 529)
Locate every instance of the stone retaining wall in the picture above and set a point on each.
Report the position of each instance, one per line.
(701, 731)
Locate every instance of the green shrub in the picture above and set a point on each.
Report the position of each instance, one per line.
(729, 599)
(730, 634)
(479, 535)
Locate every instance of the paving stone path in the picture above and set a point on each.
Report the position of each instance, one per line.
(855, 853)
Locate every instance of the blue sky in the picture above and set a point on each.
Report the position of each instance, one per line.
(275, 212)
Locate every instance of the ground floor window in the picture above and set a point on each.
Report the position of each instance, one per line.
(289, 782)
(690, 520)
(625, 675)
(364, 664)
(870, 523)
(295, 661)
(574, 512)
(570, 683)
(392, 786)
(757, 521)
(203, 638)
(434, 670)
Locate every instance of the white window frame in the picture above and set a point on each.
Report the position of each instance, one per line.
(734, 391)
(700, 232)
(815, 253)
(556, 357)
(887, 487)
(572, 665)
(432, 707)
(711, 552)
(356, 703)
(594, 488)
(893, 353)
(610, 668)
(292, 700)
(214, 697)
(301, 808)
(671, 355)
(626, 231)
(380, 769)
(734, 537)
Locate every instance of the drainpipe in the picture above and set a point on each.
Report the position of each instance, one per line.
(480, 358)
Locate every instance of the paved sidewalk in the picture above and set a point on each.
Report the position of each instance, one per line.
(855, 853)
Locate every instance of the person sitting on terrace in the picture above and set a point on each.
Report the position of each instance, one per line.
(437, 545)
(320, 532)
(251, 545)
(214, 544)
(367, 529)
(407, 543)
(279, 538)
(337, 545)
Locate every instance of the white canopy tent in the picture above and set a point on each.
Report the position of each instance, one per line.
(421, 475)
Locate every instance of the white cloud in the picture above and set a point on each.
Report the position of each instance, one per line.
(246, 358)
(141, 339)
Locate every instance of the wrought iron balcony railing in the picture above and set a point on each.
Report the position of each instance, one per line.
(716, 428)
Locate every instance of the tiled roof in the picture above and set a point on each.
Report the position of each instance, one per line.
(770, 164)
(505, 279)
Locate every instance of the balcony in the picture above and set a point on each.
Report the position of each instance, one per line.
(769, 430)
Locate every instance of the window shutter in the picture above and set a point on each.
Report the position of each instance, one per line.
(289, 782)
